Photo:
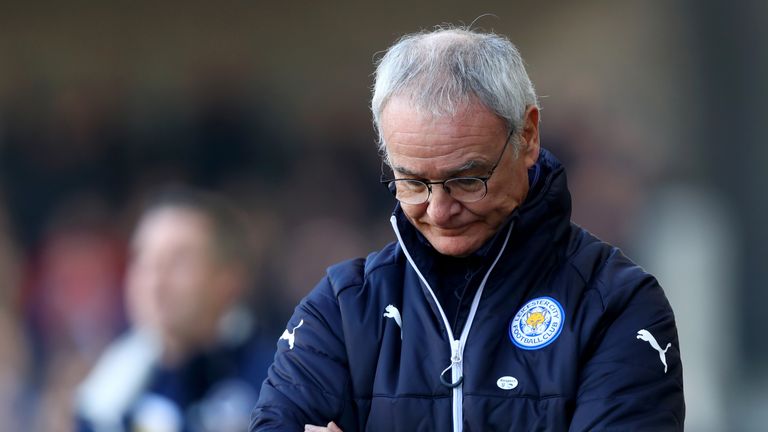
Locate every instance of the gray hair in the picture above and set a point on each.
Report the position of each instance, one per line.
(442, 70)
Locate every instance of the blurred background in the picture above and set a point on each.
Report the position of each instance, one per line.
(658, 110)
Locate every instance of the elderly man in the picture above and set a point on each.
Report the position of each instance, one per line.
(194, 359)
(492, 310)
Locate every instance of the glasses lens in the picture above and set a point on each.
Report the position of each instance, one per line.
(409, 191)
(466, 189)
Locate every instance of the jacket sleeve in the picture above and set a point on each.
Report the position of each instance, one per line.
(309, 381)
(632, 377)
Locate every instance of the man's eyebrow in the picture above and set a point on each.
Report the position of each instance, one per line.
(469, 165)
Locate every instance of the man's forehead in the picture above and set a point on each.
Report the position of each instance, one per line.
(171, 224)
(403, 124)
(424, 170)
(420, 143)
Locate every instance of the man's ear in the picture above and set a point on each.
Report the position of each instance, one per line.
(529, 148)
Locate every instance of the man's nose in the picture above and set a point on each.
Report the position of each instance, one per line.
(442, 206)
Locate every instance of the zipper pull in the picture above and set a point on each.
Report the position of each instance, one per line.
(456, 351)
(455, 363)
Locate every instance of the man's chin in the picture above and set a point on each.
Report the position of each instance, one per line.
(454, 246)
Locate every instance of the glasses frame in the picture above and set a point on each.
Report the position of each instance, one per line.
(391, 184)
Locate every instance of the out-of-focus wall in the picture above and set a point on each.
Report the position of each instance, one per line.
(653, 107)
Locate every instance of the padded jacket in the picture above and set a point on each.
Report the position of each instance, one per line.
(563, 333)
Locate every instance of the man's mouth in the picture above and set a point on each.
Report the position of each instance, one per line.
(449, 231)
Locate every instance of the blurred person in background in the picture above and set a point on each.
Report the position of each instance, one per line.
(194, 358)
(70, 297)
(492, 310)
(14, 356)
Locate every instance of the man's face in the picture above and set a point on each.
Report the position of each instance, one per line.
(431, 148)
(174, 283)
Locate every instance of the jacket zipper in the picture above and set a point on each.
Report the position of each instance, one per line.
(457, 345)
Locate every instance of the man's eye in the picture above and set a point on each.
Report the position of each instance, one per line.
(411, 185)
(466, 183)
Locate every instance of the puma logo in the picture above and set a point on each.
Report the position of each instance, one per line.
(291, 336)
(392, 312)
(648, 337)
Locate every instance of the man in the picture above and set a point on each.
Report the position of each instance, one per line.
(193, 360)
(491, 311)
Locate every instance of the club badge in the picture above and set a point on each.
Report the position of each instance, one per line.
(537, 324)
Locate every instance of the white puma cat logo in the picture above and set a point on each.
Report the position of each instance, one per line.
(291, 336)
(648, 337)
(392, 312)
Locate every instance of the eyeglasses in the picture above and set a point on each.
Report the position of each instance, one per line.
(464, 189)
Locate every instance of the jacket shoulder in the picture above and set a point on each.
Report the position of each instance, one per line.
(353, 272)
(605, 269)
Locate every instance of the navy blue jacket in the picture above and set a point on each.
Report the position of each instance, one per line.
(562, 332)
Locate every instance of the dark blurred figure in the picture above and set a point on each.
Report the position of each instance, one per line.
(58, 145)
(69, 297)
(193, 359)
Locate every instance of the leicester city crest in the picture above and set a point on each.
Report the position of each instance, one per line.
(537, 324)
